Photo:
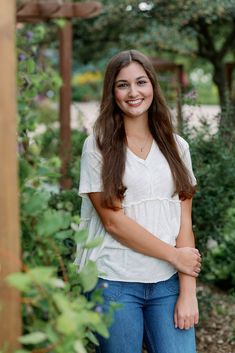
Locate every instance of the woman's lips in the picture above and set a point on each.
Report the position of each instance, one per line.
(134, 102)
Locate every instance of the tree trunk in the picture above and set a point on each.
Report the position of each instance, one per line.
(219, 78)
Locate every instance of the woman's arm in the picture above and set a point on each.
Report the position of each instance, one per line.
(186, 309)
(136, 237)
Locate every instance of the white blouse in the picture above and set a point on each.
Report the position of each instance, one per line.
(148, 200)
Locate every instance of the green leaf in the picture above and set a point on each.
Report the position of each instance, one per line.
(93, 243)
(21, 281)
(67, 323)
(90, 335)
(81, 236)
(53, 336)
(31, 66)
(42, 275)
(25, 170)
(33, 338)
(79, 347)
(102, 329)
(89, 318)
(89, 276)
(57, 283)
(60, 22)
(36, 203)
(63, 234)
(76, 219)
(62, 302)
(57, 81)
(53, 221)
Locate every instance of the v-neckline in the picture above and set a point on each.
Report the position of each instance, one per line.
(139, 158)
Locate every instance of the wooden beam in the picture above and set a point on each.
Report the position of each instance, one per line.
(10, 313)
(65, 36)
(39, 10)
(176, 69)
(179, 97)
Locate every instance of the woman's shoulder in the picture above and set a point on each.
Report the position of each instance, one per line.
(181, 143)
(90, 145)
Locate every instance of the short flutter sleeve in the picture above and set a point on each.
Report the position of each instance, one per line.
(186, 157)
(91, 165)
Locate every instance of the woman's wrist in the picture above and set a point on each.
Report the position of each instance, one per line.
(186, 259)
(171, 255)
(187, 284)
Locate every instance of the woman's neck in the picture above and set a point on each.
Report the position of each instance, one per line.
(136, 126)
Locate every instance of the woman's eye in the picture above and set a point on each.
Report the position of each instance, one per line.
(142, 82)
(122, 85)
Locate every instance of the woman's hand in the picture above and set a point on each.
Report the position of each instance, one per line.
(186, 313)
(188, 261)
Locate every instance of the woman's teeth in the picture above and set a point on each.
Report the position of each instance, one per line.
(134, 102)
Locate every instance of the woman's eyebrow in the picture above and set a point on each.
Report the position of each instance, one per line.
(121, 81)
(137, 78)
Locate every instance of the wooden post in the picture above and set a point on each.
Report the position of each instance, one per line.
(10, 315)
(179, 80)
(65, 101)
(39, 10)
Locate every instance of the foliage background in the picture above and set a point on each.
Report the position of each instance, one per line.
(57, 316)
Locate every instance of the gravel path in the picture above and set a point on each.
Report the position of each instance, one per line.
(83, 114)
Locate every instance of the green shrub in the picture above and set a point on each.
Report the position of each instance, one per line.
(47, 114)
(87, 86)
(87, 92)
(57, 317)
(213, 157)
(220, 258)
(49, 142)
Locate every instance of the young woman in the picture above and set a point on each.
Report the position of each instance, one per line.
(137, 186)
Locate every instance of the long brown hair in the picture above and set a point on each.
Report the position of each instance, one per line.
(111, 137)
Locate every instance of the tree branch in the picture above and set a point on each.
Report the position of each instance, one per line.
(206, 47)
(229, 42)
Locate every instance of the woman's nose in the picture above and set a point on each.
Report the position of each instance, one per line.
(133, 92)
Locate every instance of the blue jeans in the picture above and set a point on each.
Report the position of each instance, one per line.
(147, 314)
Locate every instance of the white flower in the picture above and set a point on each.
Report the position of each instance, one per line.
(211, 243)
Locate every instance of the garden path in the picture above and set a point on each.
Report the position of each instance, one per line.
(83, 114)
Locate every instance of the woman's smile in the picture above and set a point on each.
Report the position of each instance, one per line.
(135, 102)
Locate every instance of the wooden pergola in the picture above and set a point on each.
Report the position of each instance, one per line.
(37, 11)
(30, 11)
(177, 70)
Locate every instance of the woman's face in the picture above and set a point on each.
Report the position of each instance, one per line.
(133, 91)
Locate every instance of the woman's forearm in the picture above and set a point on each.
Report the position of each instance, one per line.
(128, 232)
(187, 282)
(186, 312)
(186, 238)
(136, 237)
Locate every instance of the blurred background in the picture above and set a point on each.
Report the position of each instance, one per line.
(192, 46)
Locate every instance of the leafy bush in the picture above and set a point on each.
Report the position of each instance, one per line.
(87, 86)
(49, 141)
(220, 259)
(57, 317)
(213, 157)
